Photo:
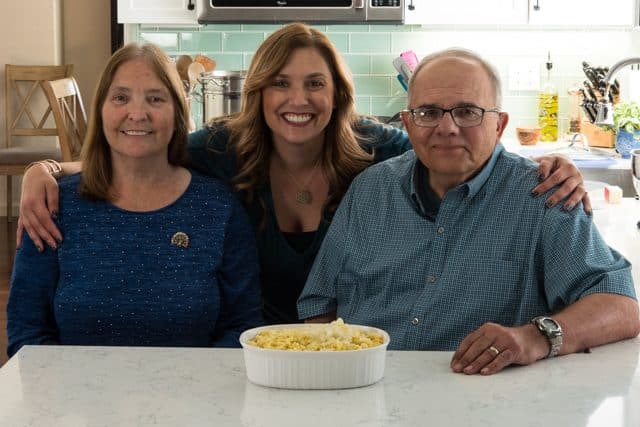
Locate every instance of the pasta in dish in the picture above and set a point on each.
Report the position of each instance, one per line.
(334, 336)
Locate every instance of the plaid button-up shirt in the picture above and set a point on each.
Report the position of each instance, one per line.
(492, 253)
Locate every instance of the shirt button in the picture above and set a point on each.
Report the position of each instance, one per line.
(431, 279)
(440, 230)
(415, 321)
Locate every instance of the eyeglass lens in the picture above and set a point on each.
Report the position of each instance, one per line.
(462, 116)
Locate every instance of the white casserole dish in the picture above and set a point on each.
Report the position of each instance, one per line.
(313, 369)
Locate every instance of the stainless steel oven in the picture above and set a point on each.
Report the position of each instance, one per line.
(310, 11)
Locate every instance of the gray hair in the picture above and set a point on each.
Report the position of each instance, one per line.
(462, 53)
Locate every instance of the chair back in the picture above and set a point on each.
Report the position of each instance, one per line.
(26, 109)
(68, 112)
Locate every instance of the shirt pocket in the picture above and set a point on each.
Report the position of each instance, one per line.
(494, 287)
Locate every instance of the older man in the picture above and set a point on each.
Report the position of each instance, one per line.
(443, 248)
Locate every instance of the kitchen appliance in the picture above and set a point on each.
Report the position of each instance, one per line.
(309, 11)
(220, 93)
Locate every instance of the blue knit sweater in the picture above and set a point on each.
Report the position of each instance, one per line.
(118, 279)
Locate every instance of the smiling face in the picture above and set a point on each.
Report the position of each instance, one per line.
(452, 154)
(138, 113)
(298, 103)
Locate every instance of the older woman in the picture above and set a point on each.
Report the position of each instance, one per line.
(291, 154)
(153, 253)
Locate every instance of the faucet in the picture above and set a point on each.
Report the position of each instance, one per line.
(605, 107)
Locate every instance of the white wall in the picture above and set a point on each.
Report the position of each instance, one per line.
(50, 32)
(86, 41)
(29, 34)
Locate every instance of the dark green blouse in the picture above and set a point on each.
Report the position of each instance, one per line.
(283, 270)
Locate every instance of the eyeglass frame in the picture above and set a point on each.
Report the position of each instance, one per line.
(412, 112)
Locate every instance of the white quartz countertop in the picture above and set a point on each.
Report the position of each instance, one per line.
(120, 386)
(123, 386)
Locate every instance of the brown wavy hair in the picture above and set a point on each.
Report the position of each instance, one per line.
(250, 137)
(97, 173)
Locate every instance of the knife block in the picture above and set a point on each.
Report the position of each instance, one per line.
(598, 137)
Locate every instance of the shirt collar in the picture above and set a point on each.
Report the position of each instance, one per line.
(472, 186)
(475, 184)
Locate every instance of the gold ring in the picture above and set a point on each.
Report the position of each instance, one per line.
(494, 350)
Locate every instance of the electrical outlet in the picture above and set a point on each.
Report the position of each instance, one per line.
(524, 75)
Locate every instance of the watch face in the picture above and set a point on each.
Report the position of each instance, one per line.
(549, 324)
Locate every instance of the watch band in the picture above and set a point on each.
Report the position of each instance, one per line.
(552, 330)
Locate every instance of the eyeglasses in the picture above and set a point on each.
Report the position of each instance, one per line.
(464, 117)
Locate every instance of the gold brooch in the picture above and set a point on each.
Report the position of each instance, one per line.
(180, 239)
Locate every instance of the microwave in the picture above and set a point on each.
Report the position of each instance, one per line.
(309, 11)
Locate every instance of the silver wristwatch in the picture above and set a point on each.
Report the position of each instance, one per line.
(552, 330)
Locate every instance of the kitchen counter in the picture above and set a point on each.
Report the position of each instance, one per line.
(601, 165)
(124, 386)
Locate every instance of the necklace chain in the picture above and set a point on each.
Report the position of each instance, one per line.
(303, 195)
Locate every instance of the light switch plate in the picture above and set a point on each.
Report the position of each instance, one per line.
(524, 75)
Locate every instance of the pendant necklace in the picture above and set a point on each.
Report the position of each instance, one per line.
(303, 195)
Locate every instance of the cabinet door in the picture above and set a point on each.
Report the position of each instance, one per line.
(157, 12)
(582, 12)
(467, 12)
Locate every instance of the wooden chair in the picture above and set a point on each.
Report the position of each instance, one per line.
(69, 114)
(27, 115)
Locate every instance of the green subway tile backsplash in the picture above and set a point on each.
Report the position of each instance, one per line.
(382, 64)
(379, 28)
(346, 28)
(358, 64)
(363, 104)
(371, 42)
(366, 50)
(372, 85)
(167, 41)
(200, 41)
(340, 41)
(241, 42)
(369, 49)
(390, 105)
(222, 27)
(230, 61)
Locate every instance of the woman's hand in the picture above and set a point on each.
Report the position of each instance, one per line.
(559, 170)
(38, 205)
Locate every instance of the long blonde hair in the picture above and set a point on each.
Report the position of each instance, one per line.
(250, 137)
(97, 173)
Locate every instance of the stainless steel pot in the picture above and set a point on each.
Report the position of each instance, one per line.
(221, 93)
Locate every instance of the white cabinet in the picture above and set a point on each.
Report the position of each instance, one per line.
(157, 12)
(521, 12)
(465, 12)
(582, 12)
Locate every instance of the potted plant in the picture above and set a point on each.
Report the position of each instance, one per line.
(626, 119)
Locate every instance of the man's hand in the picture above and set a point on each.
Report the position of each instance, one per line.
(492, 347)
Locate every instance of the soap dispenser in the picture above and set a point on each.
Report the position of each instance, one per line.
(548, 107)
